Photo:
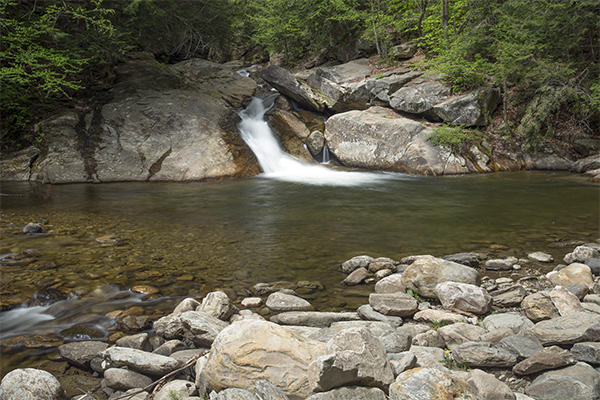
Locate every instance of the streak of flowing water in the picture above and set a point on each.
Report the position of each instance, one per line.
(279, 165)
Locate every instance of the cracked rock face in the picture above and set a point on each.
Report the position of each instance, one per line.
(176, 124)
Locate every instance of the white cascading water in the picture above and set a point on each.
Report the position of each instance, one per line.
(279, 165)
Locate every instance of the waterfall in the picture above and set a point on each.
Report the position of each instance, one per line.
(279, 165)
(326, 159)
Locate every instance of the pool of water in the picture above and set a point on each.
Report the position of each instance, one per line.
(188, 239)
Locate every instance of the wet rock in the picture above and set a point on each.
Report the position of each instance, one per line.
(313, 318)
(32, 228)
(574, 274)
(515, 321)
(523, 345)
(30, 384)
(509, 297)
(469, 259)
(478, 354)
(569, 329)
(429, 383)
(588, 352)
(283, 357)
(463, 296)
(355, 263)
(145, 289)
(577, 382)
(356, 277)
(487, 387)
(140, 361)
(315, 143)
(459, 333)
(17, 166)
(565, 302)
(350, 393)
(75, 384)
(124, 379)
(539, 306)
(367, 312)
(540, 257)
(83, 332)
(426, 272)
(393, 304)
(134, 323)
(183, 388)
(81, 353)
(580, 254)
(280, 301)
(390, 284)
(355, 357)
(48, 296)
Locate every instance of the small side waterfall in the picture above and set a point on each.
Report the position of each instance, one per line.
(279, 165)
(326, 159)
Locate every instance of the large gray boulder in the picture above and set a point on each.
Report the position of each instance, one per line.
(30, 384)
(463, 296)
(419, 97)
(289, 86)
(379, 138)
(423, 275)
(320, 319)
(350, 393)
(355, 357)
(173, 124)
(384, 87)
(254, 350)
(393, 341)
(482, 354)
(472, 108)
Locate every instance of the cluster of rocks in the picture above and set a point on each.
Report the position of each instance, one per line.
(432, 329)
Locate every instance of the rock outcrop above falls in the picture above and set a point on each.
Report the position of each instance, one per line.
(173, 123)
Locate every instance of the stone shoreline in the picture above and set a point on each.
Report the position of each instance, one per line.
(433, 328)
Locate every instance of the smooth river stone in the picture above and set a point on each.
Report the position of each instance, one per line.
(279, 301)
(577, 382)
(426, 272)
(574, 274)
(249, 351)
(394, 304)
(565, 302)
(140, 361)
(481, 354)
(30, 384)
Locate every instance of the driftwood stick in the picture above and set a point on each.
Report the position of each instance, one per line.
(165, 378)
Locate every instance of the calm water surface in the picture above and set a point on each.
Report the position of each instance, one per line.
(187, 239)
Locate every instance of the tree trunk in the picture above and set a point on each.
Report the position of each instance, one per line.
(445, 20)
